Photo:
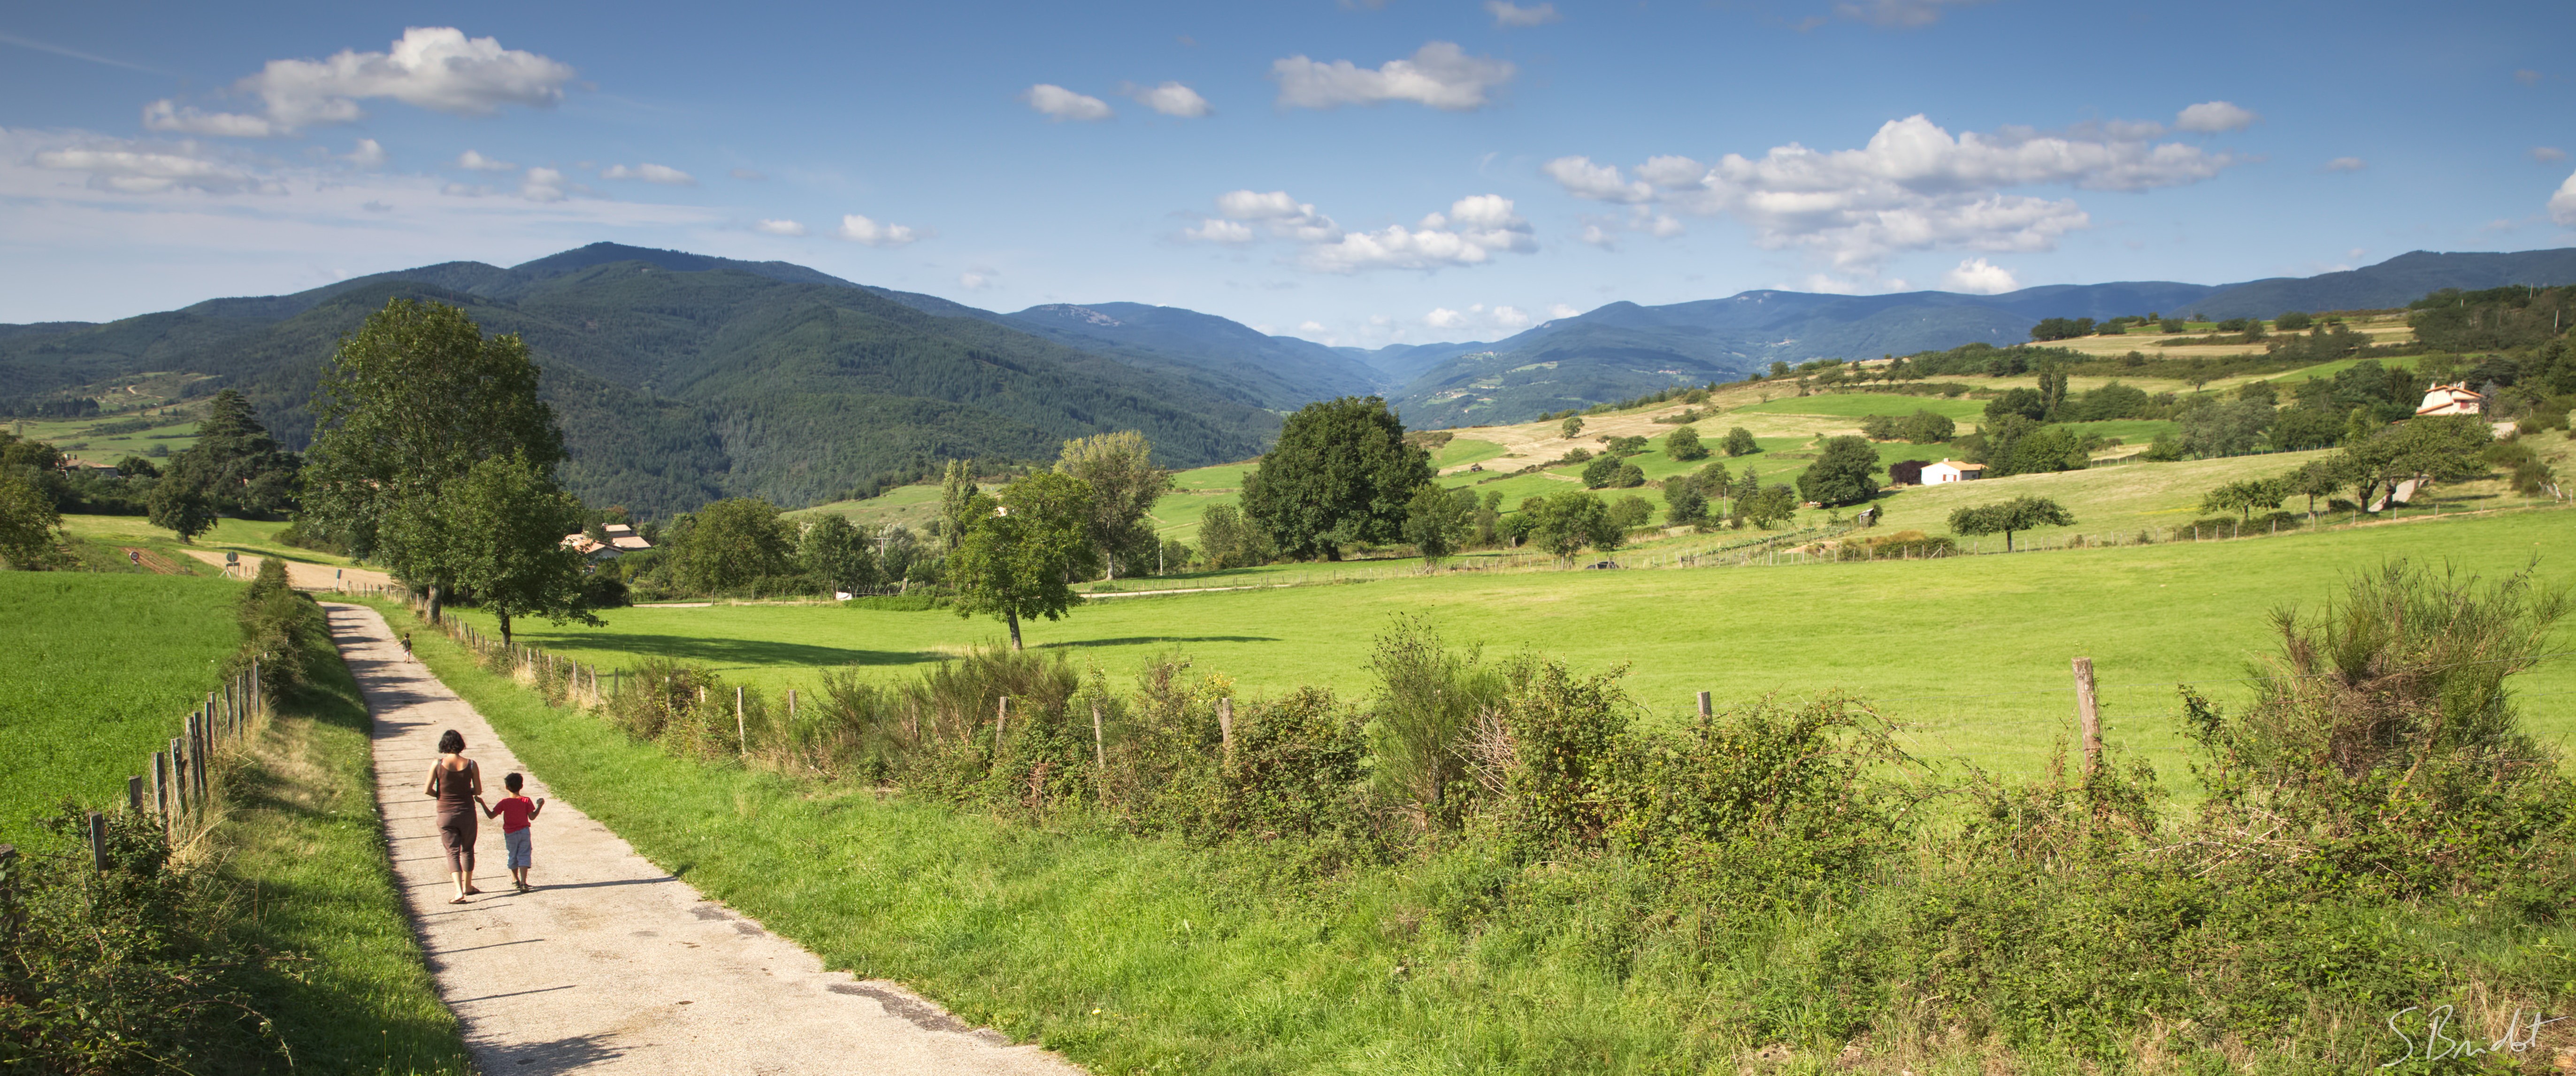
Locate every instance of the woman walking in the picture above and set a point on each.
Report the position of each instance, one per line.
(456, 782)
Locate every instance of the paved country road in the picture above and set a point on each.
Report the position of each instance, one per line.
(613, 965)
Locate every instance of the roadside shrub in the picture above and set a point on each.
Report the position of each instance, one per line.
(1429, 697)
(281, 629)
(127, 971)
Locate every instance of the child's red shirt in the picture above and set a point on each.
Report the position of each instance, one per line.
(514, 813)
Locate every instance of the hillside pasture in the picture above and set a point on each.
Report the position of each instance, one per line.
(99, 670)
(1971, 652)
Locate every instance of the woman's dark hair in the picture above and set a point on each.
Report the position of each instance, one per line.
(451, 742)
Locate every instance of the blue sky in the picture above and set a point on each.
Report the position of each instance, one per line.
(1358, 173)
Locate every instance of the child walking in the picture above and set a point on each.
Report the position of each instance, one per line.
(515, 812)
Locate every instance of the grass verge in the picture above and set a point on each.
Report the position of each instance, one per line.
(304, 843)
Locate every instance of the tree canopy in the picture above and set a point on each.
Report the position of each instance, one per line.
(1567, 522)
(1437, 520)
(30, 530)
(1020, 560)
(505, 522)
(1341, 473)
(1841, 472)
(728, 545)
(409, 404)
(2018, 514)
(1119, 467)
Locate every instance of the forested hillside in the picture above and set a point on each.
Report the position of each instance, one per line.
(678, 386)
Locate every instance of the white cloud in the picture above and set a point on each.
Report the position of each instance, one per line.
(480, 163)
(1470, 233)
(1508, 14)
(1060, 104)
(975, 280)
(1442, 317)
(2212, 117)
(1901, 14)
(1214, 230)
(2527, 77)
(651, 173)
(2346, 164)
(861, 230)
(1561, 310)
(180, 119)
(779, 227)
(1977, 276)
(432, 67)
(1913, 187)
(1507, 317)
(753, 174)
(2547, 154)
(368, 154)
(1170, 99)
(1311, 327)
(1439, 74)
(542, 185)
(149, 168)
(2562, 205)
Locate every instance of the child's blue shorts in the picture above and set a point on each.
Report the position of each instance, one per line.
(517, 839)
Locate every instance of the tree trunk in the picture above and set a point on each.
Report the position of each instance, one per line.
(436, 603)
(505, 629)
(1013, 619)
(2007, 541)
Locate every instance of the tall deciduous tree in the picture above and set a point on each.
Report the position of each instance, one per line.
(1021, 559)
(1119, 468)
(1437, 520)
(30, 529)
(409, 404)
(837, 553)
(729, 545)
(505, 522)
(178, 504)
(1568, 521)
(1841, 473)
(1341, 473)
(2018, 514)
(1684, 444)
(1739, 442)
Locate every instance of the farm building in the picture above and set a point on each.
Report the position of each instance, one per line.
(2452, 400)
(1952, 471)
(622, 540)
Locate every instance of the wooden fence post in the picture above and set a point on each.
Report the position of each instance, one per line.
(791, 706)
(1225, 727)
(1099, 754)
(162, 794)
(1704, 712)
(134, 794)
(2088, 716)
(741, 738)
(98, 841)
(1001, 721)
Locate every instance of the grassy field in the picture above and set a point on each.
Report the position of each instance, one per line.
(99, 670)
(1972, 652)
(250, 537)
(1854, 405)
(1461, 451)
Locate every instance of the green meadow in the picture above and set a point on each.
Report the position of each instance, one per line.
(1972, 653)
(96, 672)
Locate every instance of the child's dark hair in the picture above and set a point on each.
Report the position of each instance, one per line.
(511, 782)
(451, 742)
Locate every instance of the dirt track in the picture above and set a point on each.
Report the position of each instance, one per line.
(612, 964)
(300, 575)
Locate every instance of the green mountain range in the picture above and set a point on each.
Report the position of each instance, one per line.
(681, 379)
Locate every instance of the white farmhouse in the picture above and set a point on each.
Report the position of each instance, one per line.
(2452, 400)
(1952, 471)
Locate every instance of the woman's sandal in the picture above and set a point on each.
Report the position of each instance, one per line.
(459, 900)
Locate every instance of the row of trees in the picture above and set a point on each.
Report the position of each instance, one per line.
(2442, 448)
